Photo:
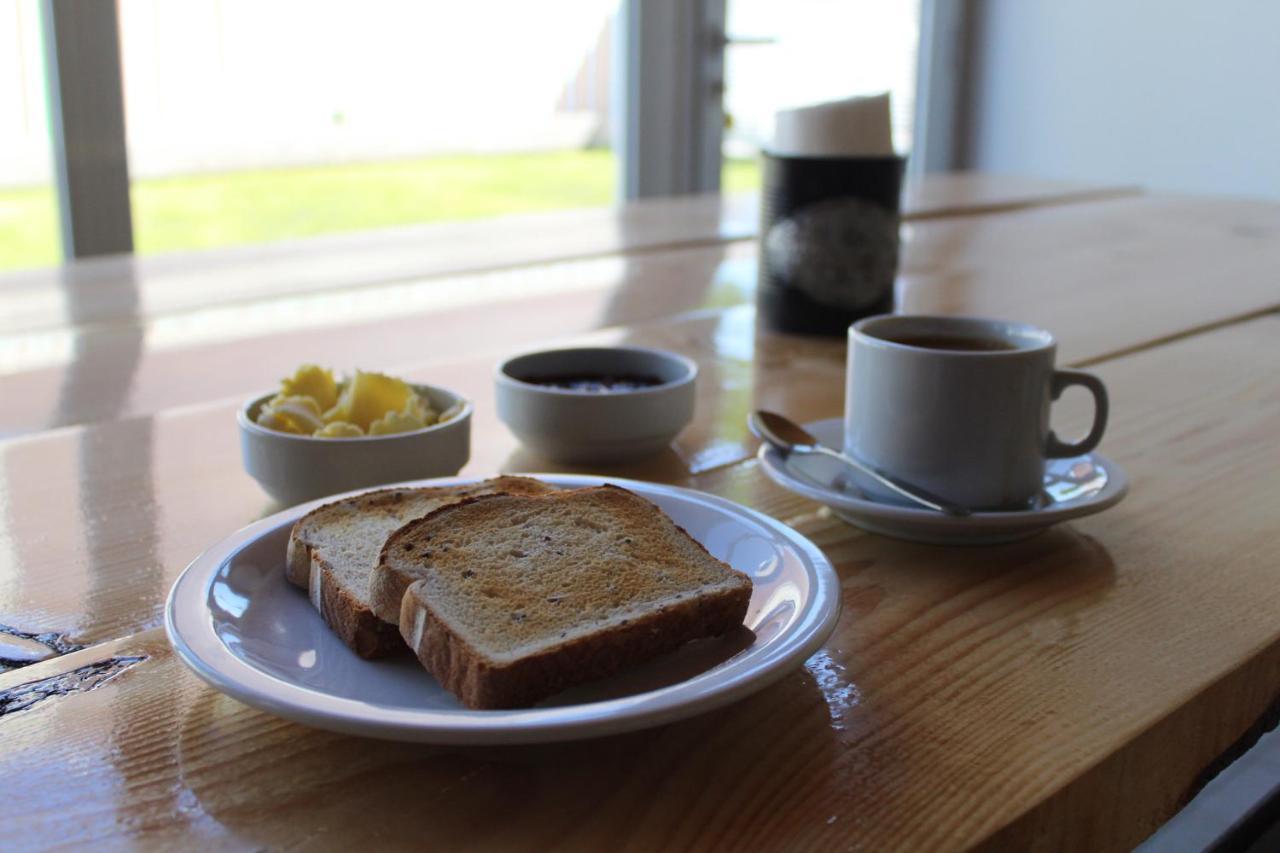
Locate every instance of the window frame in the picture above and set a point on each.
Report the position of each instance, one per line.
(86, 122)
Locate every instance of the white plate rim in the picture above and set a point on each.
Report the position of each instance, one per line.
(1113, 492)
(189, 627)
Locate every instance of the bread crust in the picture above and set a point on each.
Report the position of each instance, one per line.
(297, 564)
(481, 682)
(484, 685)
(353, 622)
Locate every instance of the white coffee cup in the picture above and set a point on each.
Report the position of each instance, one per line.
(959, 406)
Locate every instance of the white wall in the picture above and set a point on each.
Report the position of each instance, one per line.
(1172, 94)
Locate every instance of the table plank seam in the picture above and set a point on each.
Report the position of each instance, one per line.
(959, 211)
(90, 676)
(954, 212)
(55, 643)
(1194, 331)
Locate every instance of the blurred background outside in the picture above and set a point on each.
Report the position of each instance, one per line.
(254, 122)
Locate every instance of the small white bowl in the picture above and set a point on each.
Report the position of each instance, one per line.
(573, 426)
(296, 468)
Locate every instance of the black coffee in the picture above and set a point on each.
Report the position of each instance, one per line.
(603, 384)
(959, 343)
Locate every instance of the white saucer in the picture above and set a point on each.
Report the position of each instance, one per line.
(1072, 488)
(236, 621)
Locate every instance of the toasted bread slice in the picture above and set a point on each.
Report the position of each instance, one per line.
(333, 549)
(513, 598)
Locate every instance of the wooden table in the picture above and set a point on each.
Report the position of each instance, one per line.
(1067, 692)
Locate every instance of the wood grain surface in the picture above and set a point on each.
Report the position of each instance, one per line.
(145, 495)
(133, 486)
(1059, 693)
(1057, 266)
(120, 347)
(1065, 692)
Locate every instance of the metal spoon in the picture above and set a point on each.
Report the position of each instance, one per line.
(788, 437)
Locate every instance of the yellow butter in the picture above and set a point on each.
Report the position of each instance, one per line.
(295, 414)
(366, 397)
(394, 422)
(415, 415)
(271, 419)
(339, 429)
(314, 382)
(311, 402)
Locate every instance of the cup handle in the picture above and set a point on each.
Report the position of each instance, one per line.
(1058, 449)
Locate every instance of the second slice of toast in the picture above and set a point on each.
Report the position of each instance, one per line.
(334, 548)
(511, 599)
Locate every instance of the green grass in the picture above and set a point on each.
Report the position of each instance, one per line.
(28, 228)
(740, 175)
(204, 211)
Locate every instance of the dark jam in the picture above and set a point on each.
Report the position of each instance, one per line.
(601, 384)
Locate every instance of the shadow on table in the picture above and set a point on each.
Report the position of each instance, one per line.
(665, 466)
(1061, 566)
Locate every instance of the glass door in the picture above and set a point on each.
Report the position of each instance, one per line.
(28, 200)
(250, 122)
(781, 55)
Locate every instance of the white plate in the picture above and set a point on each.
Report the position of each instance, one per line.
(1072, 488)
(235, 620)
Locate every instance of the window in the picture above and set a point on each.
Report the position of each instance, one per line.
(28, 202)
(250, 122)
(806, 51)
